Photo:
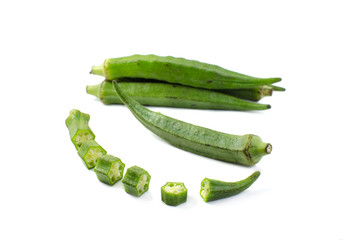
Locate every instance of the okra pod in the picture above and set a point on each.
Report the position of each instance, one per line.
(89, 152)
(214, 189)
(252, 94)
(246, 150)
(79, 130)
(136, 181)
(174, 193)
(177, 70)
(109, 169)
(172, 95)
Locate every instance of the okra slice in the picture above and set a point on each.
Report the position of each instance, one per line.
(214, 189)
(109, 169)
(174, 193)
(79, 131)
(90, 151)
(136, 181)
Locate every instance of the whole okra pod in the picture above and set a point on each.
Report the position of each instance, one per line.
(246, 149)
(177, 70)
(172, 95)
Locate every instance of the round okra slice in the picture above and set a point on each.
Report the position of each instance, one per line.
(79, 131)
(90, 151)
(109, 169)
(174, 193)
(136, 181)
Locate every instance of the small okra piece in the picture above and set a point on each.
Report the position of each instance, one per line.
(136, 181)
(109, 169)
(90, 151)
(214, 189)
(174, 193)
(79, 131)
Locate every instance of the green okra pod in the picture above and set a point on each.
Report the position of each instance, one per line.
(109, 169)
(79, 130)
(172, 95)
(136, 181)
(89, 152)
(174, 193)
(177, 70)
(252, 94)
(246, 150)
(214, 189)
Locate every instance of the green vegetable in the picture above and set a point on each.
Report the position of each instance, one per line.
(90, 151)
(177, 70)
(79, 131)
(174, 193)
(252, 94)
(109, 169)
(172, 95)
(136, 181)
(214, 189)
(246, 150)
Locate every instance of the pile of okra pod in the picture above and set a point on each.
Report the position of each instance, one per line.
(174, 82)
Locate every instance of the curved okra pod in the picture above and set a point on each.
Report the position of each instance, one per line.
(90, 151)
(136, 181)
(109, 169)
(246, 150)
(172, 95)
(214, 189)
(79, 130)
(177, 70)
(174, 193)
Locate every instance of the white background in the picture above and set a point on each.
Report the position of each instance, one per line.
(47, 50)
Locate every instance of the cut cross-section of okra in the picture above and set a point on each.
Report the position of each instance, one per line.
(174, 193)
(214, 189)
(109, 169)
(79, 131)
(90, 151)
(136, 181)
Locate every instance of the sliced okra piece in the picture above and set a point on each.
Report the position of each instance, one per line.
(136, 181)
(90, 151)
(174, 193)
(109, 169)
(79, 131)
(214, 189)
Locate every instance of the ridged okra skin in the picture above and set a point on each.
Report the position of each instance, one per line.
(79, 130)
(174, 193)
(109, 169)
(172, 95)
(136, 181)
(214, 189)
(89, 152)
(245, 150)
(177, 70)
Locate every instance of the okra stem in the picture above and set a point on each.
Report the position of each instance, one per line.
(214, 189)
(79, 130)
(246, 149)
(172, 95)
